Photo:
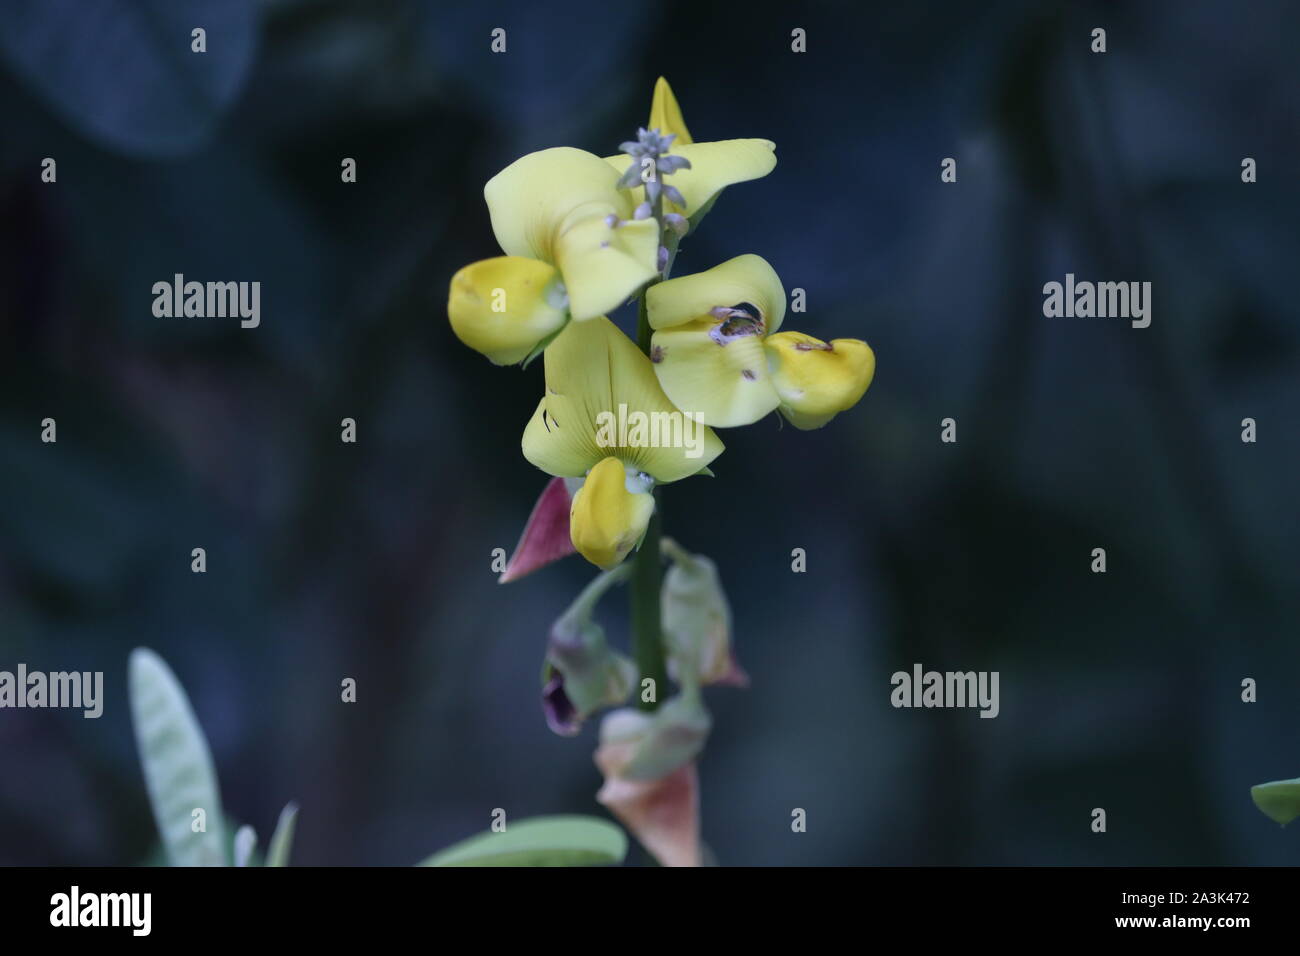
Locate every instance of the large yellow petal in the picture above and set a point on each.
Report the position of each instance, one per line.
(714, 167)
(599, 386)
(817, 380)
(610, 514)
(724, 380)
(563, 206)
(604, 267)
(666, 115)
(557, 439)
(536, 196)
(504, 307)
(744, 280)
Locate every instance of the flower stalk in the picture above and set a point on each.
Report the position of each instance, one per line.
(647, 628)
(647, 571)
(581, 235)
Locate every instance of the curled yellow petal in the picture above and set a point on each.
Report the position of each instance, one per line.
(604, 266)
(747, 279)
(504, 307)
(610, 513)
(708, 345)
(816, 380)
(563, 206)
(666, 115)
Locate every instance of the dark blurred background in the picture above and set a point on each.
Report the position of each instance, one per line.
(372, 561)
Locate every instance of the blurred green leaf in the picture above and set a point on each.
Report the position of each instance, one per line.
(177, 764)
(123, 73)
(277, 853)
(245, 844)
(541, 841)
(1280, 799)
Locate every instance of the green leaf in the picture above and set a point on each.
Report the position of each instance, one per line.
(245, 844)
(1280, 800)
(277, 853)
(570, 840)
(177, 764)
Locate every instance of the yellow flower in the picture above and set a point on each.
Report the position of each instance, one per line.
(712, 166)
(611, 512)
(604, 416)
(504, 307)
(572, 249)
(718, 353)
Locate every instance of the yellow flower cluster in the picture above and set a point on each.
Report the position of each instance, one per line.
(577, 245)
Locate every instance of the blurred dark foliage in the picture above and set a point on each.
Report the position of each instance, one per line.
(372, 560)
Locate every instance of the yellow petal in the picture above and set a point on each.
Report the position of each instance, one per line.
(744, 279)
(714, 167)
(599, 387)
(504, 307)
(817, 380)
(533, 198)
(604, 267)
(608, 519)
(666, 115)
(555, 205)
(708, 347)
(726, 385)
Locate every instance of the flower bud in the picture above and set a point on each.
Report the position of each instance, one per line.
(697, 622)
(651, 783)
(582, 672)
(651, 745)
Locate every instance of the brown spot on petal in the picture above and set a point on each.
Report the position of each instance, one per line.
(750, 376)
(657, 354)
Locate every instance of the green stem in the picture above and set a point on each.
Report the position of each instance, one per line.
(647, 568)
(647, 631)
(643, 330)
(647, 576)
